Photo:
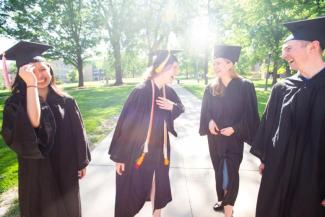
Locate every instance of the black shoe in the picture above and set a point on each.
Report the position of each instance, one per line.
(218, 207)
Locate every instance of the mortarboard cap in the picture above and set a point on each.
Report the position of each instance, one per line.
(25, 52)
(307, 30)
(162, 58)
(229, 52)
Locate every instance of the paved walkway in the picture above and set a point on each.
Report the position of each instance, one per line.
(191, 174)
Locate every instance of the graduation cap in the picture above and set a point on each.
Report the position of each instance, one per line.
(25, 52)
(162, 58)
(307, 30)
(229, 52)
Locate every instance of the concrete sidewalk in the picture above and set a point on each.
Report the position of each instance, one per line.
(191, 174)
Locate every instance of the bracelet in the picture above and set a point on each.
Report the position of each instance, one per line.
(31, 86)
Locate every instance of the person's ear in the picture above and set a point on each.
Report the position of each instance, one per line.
(315, 45)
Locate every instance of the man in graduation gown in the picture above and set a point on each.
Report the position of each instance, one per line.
(291, 139)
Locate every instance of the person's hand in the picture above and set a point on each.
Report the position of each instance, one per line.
(120, 168)
(27, 74)
(261, 168)
(213, 128)
(323, 203)
(228, 131)
(164, 103)
(81, 173)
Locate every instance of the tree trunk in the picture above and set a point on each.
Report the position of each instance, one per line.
(117, 63)
(186, 70)
(275, 71)
(206, 68)
(80, 71)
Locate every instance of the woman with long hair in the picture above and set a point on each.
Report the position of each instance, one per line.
(140, 144)
(44, 127)
(229, 117)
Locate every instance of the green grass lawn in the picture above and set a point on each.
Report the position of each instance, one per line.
(97, 104)
(8, 162)
(262, 96)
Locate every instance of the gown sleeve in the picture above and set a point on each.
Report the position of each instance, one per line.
(267, 125)
(249, 122)
(79, 135)
(177, 110)
(205, 113)
(116, 151)
(19, 134)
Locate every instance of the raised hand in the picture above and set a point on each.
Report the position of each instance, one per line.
(27, 74)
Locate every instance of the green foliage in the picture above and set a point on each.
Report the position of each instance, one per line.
(66, 25)
(73, 75)
(132, 30)
(134, 65)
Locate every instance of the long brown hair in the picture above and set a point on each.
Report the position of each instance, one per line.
(217, 87)
(19, 86)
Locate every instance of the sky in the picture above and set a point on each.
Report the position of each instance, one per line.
(5, 43)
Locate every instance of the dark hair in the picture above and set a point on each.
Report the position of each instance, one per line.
(159, 60)
(19, 85)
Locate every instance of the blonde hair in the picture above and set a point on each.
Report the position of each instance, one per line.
(217, 87)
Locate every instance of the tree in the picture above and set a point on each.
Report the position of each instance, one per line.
(162, 19)
(64, 24)
(118, 21)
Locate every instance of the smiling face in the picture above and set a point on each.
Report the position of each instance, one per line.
(43, 75)
(296, 53)
(222, 66)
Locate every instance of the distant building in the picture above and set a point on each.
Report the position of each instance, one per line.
(98, 75)
(61, 70)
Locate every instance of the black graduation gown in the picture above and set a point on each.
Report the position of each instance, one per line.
(237, 108)
(49, 157)
(134, 185)
(291, 143)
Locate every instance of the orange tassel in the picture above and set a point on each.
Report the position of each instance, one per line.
(139, 161)
(166, 162)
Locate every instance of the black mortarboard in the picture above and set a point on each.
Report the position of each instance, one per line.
(307, 30)
(25, 52)
(163, 57)
(229, 52)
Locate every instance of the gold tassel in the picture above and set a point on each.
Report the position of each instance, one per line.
(166, 162)
(139, 161)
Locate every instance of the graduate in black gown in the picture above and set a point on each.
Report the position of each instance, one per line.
(229, 117)
(291, 139)
(44, 127)
(140, 144)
